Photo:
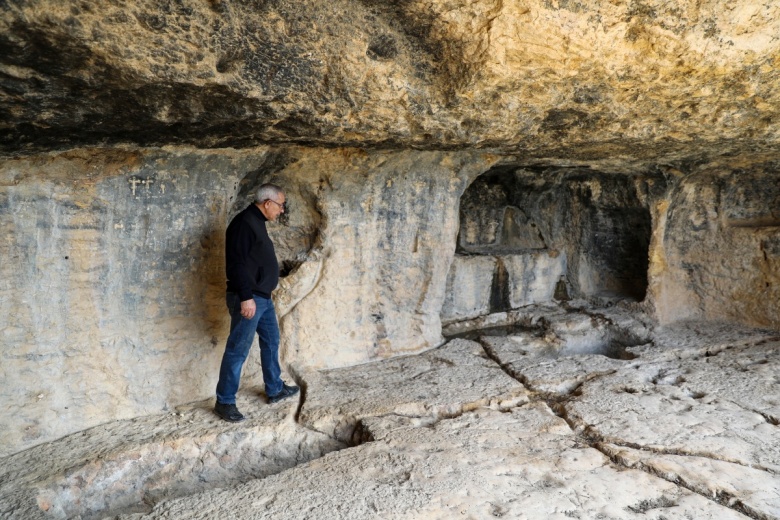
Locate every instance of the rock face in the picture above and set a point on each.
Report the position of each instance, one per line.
(722, 282)
(443, 161)
(113, 303)
(685, 427)
(112, 299)
(573, 79)
(121, 466)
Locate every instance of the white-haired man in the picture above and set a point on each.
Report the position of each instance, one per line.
(252, 274)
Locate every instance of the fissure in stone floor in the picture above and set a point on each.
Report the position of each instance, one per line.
(694, 413)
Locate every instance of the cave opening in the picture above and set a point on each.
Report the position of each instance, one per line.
(530, 236)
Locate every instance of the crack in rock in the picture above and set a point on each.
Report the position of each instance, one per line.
(759, 507)
(720, 496)
(128, 466)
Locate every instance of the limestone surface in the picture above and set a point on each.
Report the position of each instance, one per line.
(687, 428)
(482, 464)
(722, 405)
(439, 383)
(129, 465)
(696, 405)
(112, 294)
(469, 286)
(570, 79)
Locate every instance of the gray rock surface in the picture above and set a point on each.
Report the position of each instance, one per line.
(482, 464)
(699, 280)
(128, 465)
(686, 429)
(469, 286)
(439, 383)
(112, 294)
(721, 406)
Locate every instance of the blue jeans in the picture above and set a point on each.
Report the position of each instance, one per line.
(242, 335)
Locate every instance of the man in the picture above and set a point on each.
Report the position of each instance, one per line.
(252, 274)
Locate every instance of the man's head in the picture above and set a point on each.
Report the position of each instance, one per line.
(270, 199)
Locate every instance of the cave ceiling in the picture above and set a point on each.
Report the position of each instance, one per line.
(562, 82)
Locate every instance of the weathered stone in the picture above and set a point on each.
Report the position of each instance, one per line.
(113, 300)
(718, 248)
(744, 488)
(112, 304)
(123, 263)
(481, 284)
(660, 80)
(131, 465)
(490, 224)
(528, 316)
(592, 152)
(439, 383)
(523, 464)
(388, 232)
(566, 349)
(726, 403)
(428, 447)
(469, 286)
(532, 276)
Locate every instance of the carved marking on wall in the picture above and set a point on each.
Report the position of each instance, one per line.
(136, 181)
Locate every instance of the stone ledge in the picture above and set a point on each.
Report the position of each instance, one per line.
(439, 383)
(131, 465)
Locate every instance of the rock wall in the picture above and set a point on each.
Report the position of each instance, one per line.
(586, 229)
(389, 226)
(113, 271)
(717, 246)
(112, 278)
(112, 294)
(635, 140)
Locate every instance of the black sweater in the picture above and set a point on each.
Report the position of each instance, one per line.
(250, 260)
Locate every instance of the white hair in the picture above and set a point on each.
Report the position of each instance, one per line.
(267, 192)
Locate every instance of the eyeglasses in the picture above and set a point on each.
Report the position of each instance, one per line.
(282, 206)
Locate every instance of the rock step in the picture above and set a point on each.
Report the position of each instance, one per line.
(130, 465)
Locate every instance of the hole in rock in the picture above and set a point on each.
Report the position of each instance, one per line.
(576, 334)
(529, 237)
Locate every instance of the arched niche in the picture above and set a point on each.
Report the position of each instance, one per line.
(531, 236)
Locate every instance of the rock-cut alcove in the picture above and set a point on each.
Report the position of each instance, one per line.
(446, 165)
(529, 236)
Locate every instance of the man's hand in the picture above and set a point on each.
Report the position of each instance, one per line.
(248, 309)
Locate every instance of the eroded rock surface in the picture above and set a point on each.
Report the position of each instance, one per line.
(686, 428)
(522, 464)
(130, 465)
(440, 383)
(573, 79)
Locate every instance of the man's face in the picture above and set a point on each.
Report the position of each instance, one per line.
(274, 207)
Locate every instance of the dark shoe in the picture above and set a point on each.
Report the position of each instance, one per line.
(286, 392)
(228, 412)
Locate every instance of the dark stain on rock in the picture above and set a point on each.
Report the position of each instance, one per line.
(499, 292)
(152, 22)
(575, 6)
(588, 95)
(382, 47)
(85, 99)
(279, 68)
(229, 61)
(265, 172)
(562, 121)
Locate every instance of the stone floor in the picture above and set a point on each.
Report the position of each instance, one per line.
(570, 413)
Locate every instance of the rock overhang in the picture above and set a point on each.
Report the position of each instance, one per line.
(570, 81)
